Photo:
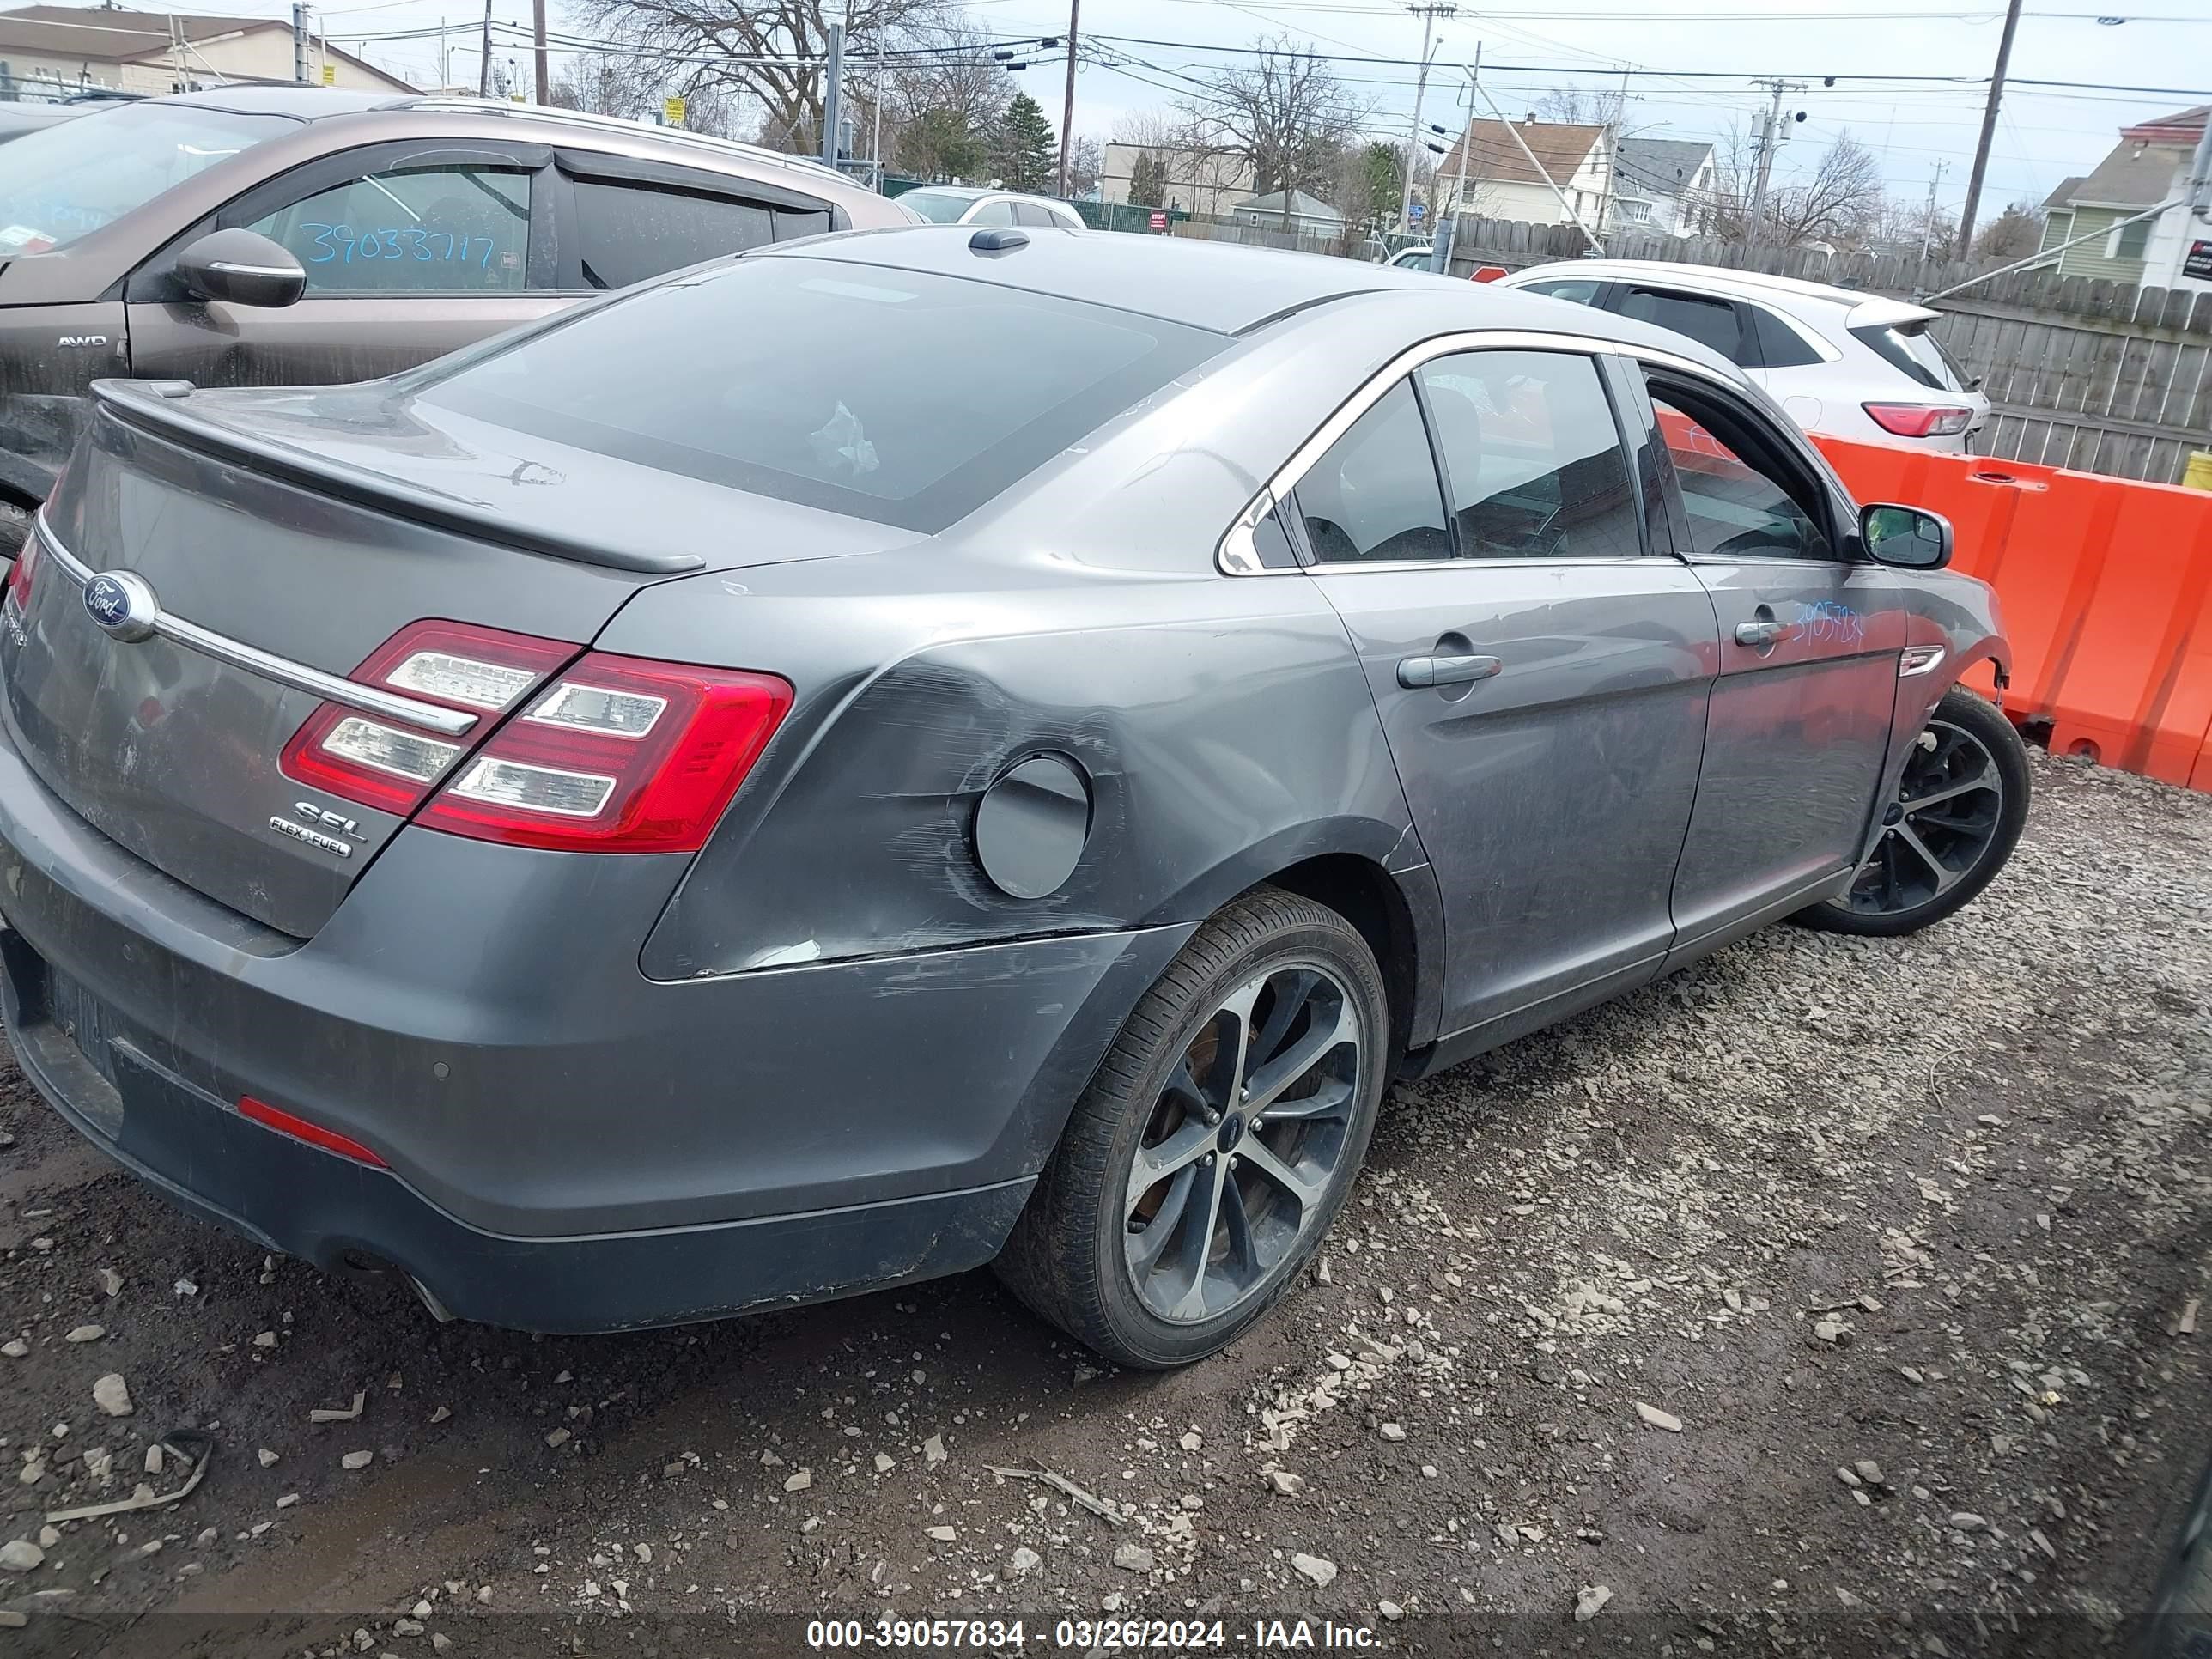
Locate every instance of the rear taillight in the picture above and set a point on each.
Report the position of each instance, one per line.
(379, 762)
(1486, 273)
(1919, 420)
(619, 755)
(23, 572)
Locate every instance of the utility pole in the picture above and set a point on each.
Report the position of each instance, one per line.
(300, 44)
(830, 90)
(1928, 221)
(483, 63)
(537, 42)
(1467, 136)
(1770, 139)
(1428, 14)
(1988, 131)
(1609, 137)
(1067, 105)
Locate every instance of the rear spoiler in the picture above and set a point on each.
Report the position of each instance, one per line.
(160, 408)
(1899, 314)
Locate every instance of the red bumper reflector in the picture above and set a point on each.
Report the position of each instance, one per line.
(329, 1140)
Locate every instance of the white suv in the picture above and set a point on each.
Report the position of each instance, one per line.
(1841, 362)
(960, 204)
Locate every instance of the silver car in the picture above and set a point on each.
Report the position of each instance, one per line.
(934, 745)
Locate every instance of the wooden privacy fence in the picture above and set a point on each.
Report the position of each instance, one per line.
(2093, 375)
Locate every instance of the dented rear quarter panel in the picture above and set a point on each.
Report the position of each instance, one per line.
(1226, 726)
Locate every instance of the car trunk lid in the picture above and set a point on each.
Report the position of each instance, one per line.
(293, 535)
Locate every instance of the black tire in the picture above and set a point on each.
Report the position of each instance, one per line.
(1066, 1257)
(1864, 910)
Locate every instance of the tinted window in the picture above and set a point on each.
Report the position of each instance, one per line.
(890, 395)
(69, 179)
(936, 206)
(1374, 495)
(1736, 510)
(1780, 346)
(1029, 213)
(992, 213)
(439, 229)
(1714, 323)
(1576, 290)
(1912, 351)
(628, 233)
(1532, 457)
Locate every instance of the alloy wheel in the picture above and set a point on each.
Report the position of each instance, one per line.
(1241, 1147)
(1949, 805)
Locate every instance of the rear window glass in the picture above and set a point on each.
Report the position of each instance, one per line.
(937, 207)
(66, 181)
(1912, 351)
(897, 395)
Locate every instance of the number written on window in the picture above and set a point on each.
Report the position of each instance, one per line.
(434, 229)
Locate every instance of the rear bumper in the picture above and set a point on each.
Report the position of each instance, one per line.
(571, 1146)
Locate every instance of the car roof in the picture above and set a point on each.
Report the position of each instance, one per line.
(1225, 287)
(319, 103)
(1721, 278)
(301, 103)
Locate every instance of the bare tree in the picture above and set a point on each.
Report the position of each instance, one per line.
(1835, 203)
(1156, 129)
(1285, 114)
(1582, 107)
(1839, 204)
(769, 51)
(943, 102)
(2013, 235)
(1086, 164)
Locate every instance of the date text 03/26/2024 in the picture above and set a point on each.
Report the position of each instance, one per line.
(1086, 1635)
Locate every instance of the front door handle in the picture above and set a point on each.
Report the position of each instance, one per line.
(1759, 635)
(1415, 673)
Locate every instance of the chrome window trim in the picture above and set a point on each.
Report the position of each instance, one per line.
(1235, 554)
(166, 624)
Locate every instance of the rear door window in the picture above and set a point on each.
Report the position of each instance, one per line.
(1374, 496)
(892, 395)
(1717, 323)
(1532, 457)
(629, 232)
(992, 213)
(463, 227)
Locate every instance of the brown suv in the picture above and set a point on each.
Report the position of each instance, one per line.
(288, 235)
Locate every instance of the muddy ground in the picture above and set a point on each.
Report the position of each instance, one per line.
(1894, 1241)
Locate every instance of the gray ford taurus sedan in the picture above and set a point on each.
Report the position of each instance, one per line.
(928, 746)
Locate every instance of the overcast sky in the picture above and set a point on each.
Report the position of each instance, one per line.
(1529, 46)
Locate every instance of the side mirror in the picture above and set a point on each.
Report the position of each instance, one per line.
(242, 267)
(1910, 538)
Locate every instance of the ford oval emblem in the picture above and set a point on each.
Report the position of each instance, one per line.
(122, 604)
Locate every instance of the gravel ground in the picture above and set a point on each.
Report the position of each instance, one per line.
(1830, 1297)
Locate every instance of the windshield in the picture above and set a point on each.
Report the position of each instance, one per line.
(67, 180)
(892, 395)
(937, 206)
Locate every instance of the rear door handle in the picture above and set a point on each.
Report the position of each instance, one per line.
(1759, 635)
(1415, 673)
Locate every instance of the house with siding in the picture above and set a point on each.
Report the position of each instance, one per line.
(1488, 173)
(2139, 173)
(52, 52)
